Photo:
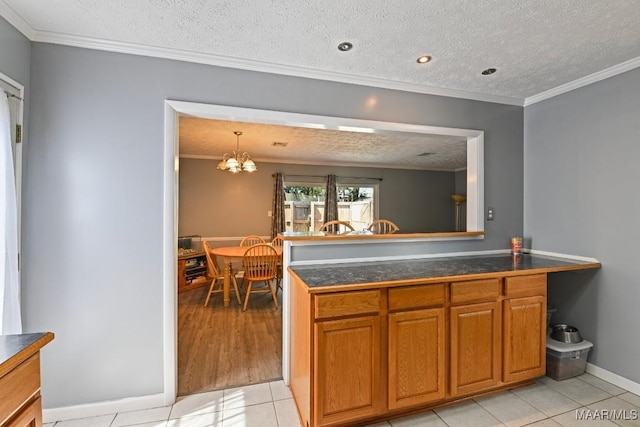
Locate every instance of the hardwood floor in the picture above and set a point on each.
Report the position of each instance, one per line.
(223, 347)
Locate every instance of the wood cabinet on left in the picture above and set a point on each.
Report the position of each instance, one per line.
(31, 416)
(20, 404)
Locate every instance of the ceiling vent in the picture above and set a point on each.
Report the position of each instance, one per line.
(279, 144)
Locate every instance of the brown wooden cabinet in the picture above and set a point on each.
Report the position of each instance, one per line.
(524, 328)
(475, 335)
(30, 416)
(348, 370)
(358, 356)
(475, 347)
(416, 357)
(20, 404)
(416, 345)
(192, 271)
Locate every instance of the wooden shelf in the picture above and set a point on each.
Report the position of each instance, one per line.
(192, 271)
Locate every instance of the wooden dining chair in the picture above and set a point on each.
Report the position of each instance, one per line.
(260, 264)
(278, 242)
(251, 240)
(214, 274)
(336, 227)
(383, 226)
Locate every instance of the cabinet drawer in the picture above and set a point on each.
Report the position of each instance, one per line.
(19, 386)
(416, 296)
(347, 303)
(475, 291)
(525, 286)
(31, 416)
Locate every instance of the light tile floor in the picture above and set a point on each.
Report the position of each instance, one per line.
(547, 403)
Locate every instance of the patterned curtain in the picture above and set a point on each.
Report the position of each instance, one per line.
(331, 201)
(277, 220)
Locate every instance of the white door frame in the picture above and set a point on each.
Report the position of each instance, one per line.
(16, 87)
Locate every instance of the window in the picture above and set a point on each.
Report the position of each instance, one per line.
(304, 205)
(356, 205)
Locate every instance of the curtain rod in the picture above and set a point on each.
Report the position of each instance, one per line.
(12, 95)
(324, 176)
(9, 88)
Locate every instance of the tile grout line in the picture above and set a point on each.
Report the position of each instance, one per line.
(485, 410)
(592, 385)
(547, 417)
(439, 417)
(575, 401)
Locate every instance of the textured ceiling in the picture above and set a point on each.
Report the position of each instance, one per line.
(212, 138)
(535, 45)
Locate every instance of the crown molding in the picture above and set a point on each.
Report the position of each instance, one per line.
(584, 81)
(245, 64)
(16, 20)
(230, 62)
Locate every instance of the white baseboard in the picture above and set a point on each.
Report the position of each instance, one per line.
(104, 408)
(614, 379)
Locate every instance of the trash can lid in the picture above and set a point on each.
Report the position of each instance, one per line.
(564, 347)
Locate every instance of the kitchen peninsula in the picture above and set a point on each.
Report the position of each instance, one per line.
(376, 340)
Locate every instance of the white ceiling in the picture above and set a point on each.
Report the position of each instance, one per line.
(206, 138)
(540, 48)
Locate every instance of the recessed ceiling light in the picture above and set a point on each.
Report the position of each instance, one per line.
(423, 59)
(345, 46)
(489, 71)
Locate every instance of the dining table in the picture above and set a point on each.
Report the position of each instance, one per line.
(229, 254)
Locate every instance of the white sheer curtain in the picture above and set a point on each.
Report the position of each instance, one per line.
(10, 319)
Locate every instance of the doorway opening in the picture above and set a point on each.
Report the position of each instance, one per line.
(174, 109)
(218, 346)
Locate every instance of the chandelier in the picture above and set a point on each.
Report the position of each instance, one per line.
(236, 161)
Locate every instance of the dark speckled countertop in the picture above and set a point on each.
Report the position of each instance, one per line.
(14, 349)
(433, 269)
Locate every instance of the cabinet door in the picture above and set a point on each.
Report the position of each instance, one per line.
(524, 338)
(416, 357)
(347, 369)
(475, 347)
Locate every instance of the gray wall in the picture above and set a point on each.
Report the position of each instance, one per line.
(414, 200)
(93, 207)
(461, 182)
(15, 62)
(581, 197)
(15, 54)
